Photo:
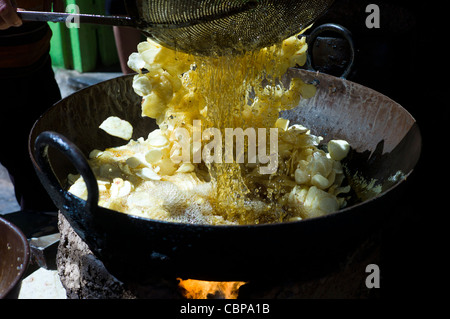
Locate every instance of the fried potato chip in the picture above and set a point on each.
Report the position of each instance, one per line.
(338, 149)
(117, 127)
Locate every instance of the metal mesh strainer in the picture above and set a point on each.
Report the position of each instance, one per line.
(209, 27)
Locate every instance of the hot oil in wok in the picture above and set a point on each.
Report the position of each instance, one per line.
(245, 92)
(196, 101)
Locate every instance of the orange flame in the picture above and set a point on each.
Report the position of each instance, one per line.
(200, 289)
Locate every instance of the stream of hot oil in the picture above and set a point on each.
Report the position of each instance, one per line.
(228, 84)
(199, 289)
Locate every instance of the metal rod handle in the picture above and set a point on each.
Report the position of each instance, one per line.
(82, 18)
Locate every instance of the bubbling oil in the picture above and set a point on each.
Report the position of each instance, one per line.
(230, 86)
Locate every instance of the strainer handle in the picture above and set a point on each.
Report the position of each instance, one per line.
(78, 160)
(311, 38)
(82, 18)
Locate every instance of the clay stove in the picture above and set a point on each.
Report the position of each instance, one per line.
(85, 277)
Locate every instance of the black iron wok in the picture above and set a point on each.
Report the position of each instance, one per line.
(384, 137)
(14, 258)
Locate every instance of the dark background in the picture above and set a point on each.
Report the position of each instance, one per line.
(405, 59)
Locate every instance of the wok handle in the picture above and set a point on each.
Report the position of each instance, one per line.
(311, 38)
(76, 157)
